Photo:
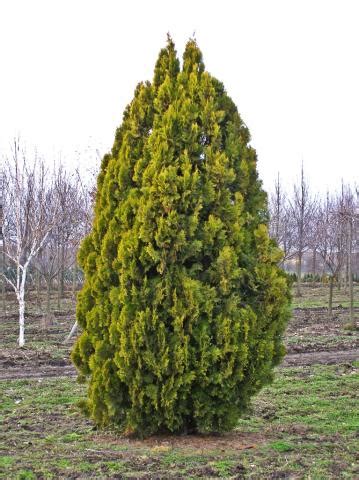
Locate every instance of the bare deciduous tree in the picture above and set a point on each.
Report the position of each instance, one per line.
(86, 196)
(281, 224)
(301, 208)
(347, 211)
(29, 218)
(59, 252)
(331, 241)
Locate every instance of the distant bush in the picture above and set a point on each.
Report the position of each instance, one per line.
(292, 276)
(310, 278)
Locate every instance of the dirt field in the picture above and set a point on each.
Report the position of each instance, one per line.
(305, 425)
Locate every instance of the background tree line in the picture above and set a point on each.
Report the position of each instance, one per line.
(320, 229)
(46, 211)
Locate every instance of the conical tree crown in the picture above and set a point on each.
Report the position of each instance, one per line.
(183, 306)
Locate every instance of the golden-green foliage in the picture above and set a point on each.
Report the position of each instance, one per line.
(183, 306)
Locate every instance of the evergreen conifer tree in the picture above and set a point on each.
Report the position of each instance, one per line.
(183, 305)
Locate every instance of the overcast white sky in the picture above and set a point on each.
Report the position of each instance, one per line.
(68, 68)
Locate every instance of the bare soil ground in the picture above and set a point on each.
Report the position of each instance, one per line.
(312, 330)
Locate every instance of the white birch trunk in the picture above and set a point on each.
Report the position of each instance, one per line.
(21, 321)
(72, 332)
(21, 299)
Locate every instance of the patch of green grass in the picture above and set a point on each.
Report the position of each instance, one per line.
(51, 438)
(63, 463)
(26, 475)
(309, 303)
(281, 446)
(6, 461)
(223, 467)
(318, 297)
(320, 341)
(310, 401)
(71, 437)
(115, 467)
(85, 466)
